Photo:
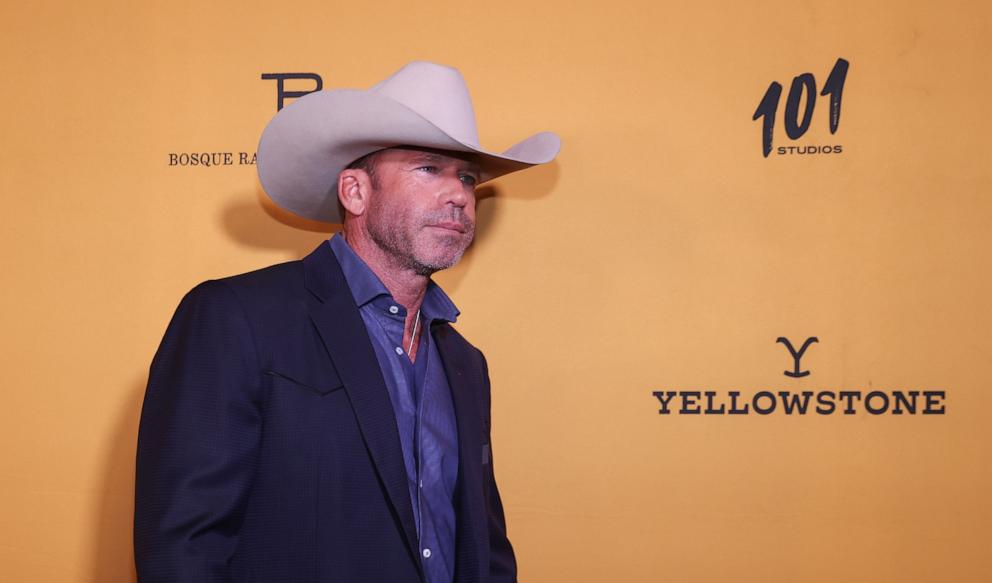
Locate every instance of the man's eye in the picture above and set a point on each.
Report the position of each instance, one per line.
(431, 169)
(469, 179)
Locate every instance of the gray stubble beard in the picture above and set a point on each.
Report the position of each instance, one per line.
(398, 246)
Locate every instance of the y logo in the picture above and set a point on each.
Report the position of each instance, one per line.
(797, 355)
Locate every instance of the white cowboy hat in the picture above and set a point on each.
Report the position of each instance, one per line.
(310, 141)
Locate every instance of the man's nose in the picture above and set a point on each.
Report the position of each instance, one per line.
(456, 192)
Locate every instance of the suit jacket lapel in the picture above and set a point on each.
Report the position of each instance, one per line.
(343, 331)
(471, 518)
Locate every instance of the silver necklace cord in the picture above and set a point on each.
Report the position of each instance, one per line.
(413, 335)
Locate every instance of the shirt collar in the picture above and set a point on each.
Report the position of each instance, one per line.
(366, 286)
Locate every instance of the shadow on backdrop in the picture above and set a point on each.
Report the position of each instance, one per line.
(111, 543)
(255, 222)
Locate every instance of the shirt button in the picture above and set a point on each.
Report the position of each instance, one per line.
(394, 310)
(427, 553)
(398, 350)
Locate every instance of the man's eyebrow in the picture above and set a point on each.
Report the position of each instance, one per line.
(433, 158)
(426, 157)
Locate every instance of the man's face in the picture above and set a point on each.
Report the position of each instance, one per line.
(422, 209)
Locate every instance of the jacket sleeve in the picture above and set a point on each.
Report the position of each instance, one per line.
(197, 442)
(502, 562)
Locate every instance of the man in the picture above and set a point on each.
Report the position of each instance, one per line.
(321, 420)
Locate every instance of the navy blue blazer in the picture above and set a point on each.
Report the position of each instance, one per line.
(268, 449)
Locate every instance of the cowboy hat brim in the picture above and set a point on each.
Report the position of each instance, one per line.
(307, 144)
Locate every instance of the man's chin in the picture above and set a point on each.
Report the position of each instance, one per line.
(438, 262)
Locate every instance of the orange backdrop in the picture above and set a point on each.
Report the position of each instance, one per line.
(662, 251)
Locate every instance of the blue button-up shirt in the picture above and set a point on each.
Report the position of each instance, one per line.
(421, 399)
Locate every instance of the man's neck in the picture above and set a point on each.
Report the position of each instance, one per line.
(405, 285)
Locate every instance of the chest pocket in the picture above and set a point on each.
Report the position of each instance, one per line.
(327, 382)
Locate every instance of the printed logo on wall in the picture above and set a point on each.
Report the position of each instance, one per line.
(797, 355)
(803, 85)
(282, 93)
(245, 158)
(788, 402)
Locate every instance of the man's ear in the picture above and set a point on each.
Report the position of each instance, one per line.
(354, 189)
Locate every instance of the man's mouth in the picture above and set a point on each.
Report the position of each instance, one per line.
(450, 226)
